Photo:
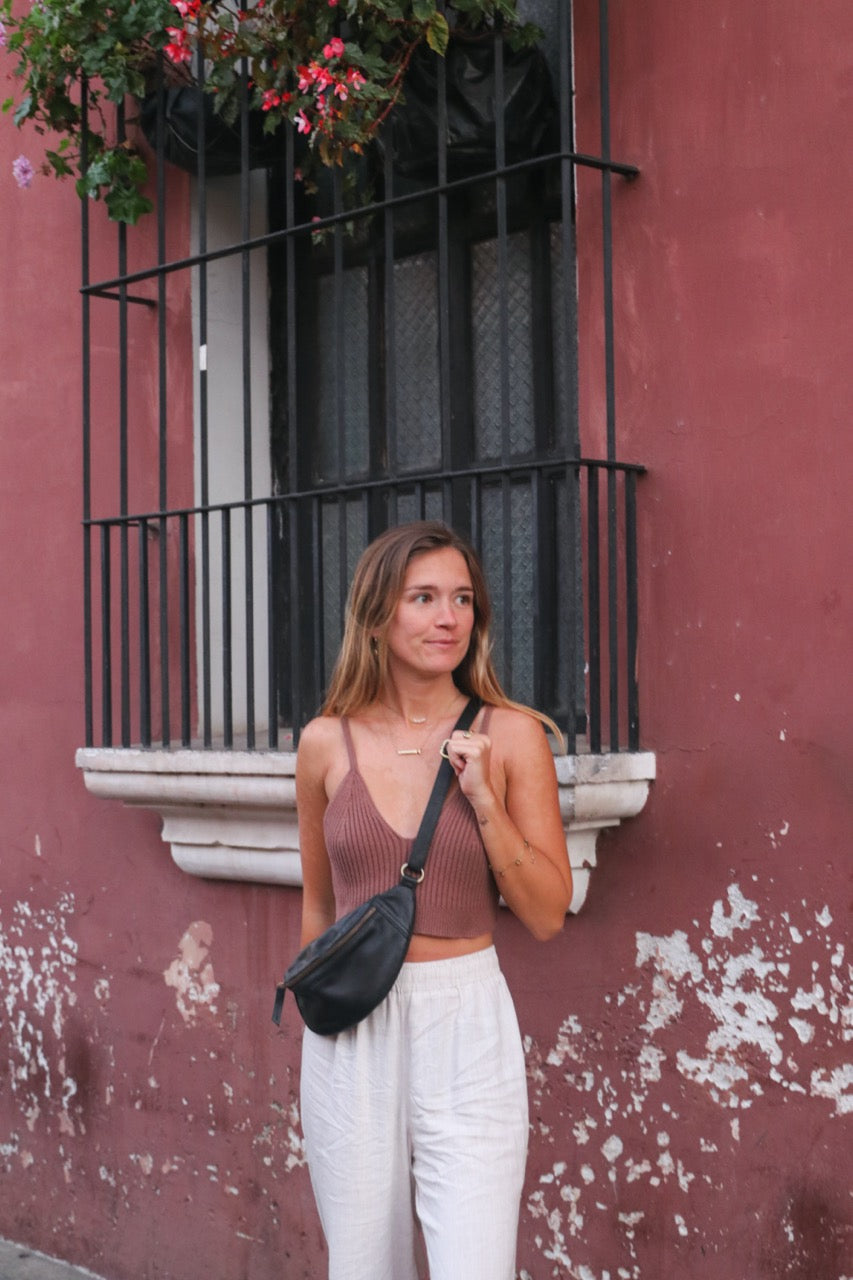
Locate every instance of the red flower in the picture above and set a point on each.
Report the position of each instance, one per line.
(178, 49)
(334, 48)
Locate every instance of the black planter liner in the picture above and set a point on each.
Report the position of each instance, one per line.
(222, 142)
(529, 117)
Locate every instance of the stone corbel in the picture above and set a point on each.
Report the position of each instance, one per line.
(231, 815)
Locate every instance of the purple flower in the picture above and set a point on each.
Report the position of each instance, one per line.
(22, 171)
(2, 36)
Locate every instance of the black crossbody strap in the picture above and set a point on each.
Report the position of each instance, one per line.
(422, 841)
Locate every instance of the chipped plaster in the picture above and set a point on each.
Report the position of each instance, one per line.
(722, 1008)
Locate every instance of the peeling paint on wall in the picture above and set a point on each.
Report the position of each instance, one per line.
(724, 1009)
(191, 974)
(38, 969)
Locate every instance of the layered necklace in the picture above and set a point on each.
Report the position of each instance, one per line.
(418, 720)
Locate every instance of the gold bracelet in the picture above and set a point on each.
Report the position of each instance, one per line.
(516, 862)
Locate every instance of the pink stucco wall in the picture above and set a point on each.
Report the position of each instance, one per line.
(688, 1034)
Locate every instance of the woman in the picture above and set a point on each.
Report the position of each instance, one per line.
(425, 1100)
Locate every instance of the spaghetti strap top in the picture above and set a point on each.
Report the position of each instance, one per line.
(458, 897)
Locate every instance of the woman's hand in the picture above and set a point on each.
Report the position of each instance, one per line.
(470, 755)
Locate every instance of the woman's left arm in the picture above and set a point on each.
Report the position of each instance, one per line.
(509, 778)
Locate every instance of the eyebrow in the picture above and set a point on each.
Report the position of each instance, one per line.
(431, 586)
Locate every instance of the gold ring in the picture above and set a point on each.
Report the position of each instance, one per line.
(442, 750)
(467, 733)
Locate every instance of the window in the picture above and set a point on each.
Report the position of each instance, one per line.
(412, 352)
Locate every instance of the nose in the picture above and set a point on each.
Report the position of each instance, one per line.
(446, 614)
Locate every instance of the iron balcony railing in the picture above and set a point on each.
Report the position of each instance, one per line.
(198, 671)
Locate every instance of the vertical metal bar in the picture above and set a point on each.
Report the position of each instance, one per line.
(272, 627)
(144, 640)
(205, 656)
(506, 570)
(575, 599)
(594, 611)
(339, 329)
(340, 503)
(445, 335)
(295, 620)
(106, 640)
(295, 444)
(613, 606)
(568, 298)
(227, 655)
(86, 413)
(184, 627)
(163, 406)
(632, 610)
(502, 249)
(204, 421)
(390, 324)
(540, 632)
(609, 368)
(477, 513)
(607, 226)
(124, 483)
(567, 357)
(246, 302)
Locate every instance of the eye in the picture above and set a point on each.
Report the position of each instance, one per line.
(422, 597)
(465, 600)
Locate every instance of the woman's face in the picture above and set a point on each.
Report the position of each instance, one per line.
(430, 629)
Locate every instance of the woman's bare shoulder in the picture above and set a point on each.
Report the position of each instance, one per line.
(510, 723)
(319, 741)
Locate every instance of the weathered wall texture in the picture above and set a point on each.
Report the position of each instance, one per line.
(688, 1036)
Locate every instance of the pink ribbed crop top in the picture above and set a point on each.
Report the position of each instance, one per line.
(458, 897)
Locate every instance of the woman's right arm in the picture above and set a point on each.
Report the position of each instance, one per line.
(312, 766)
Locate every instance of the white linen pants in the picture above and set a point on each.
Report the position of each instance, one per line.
(425, 1099)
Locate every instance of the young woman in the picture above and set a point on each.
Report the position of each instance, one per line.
(418, 1115)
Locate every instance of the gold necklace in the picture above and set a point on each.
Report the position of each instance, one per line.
(419, 750)
(411, 719)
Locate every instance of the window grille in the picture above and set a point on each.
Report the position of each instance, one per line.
(418, 359)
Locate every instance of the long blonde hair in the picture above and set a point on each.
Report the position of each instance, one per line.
(361, 670)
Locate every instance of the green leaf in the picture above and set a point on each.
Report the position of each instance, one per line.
(22, 110)
(423, 9)
(438, 33)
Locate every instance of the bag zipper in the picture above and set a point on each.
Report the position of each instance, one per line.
(342, 940)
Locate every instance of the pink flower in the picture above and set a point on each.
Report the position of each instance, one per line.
(323, 79)
(334, 48)
(306, 77)
(2, 36)
(333, 4)
(303, 124)
(270, 99)
(341, 91)
(22, 171)
(355, 79)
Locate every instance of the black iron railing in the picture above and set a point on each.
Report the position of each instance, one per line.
(170, 677)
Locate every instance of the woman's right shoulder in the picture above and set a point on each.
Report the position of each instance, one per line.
(319, 742)
(320, 733)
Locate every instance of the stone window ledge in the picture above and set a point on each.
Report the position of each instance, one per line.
(231, 815)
